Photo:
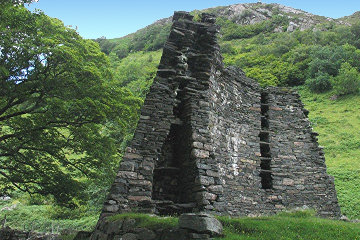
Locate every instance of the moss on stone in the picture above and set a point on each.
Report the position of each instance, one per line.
(148, 221)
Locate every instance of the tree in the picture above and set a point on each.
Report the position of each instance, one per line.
(348, 80)
(326, 59)
(17, 2)
(59, 110)
(121, 53)
(320, 83)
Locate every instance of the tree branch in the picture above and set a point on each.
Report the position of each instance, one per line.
(14, 183)
(29, 110)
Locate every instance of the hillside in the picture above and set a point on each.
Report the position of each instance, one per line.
(153, 36)
(238, 22)
(338, 123)
(353, 18)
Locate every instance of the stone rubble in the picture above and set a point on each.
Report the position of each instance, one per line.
(191, 226)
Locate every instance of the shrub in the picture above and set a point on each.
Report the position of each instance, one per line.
(122, 53)
(326, 59)
(228, 48)
(263, 76)
(321, 83)
(59, 212)
(147, 221)
(348, 80)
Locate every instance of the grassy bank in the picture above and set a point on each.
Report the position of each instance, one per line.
(297, 225)
(284, 226)
(43, 218)
(289, 226)
(338, 123)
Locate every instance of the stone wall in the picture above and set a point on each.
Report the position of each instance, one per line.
(159, 171)
(298, 163)
(267, 155)
(210, 139)
(235, 128)
(11, 234)
(190, 226)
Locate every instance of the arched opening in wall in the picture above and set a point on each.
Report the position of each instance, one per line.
(265, 151)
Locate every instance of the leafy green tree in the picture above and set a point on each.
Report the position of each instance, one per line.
(16, 2)
(105, 45)
(320, 83)
(355, 31)
(327, 59)
(121, 53)
(263, 76)
(59, 109)
(137, 71)
(348, 80)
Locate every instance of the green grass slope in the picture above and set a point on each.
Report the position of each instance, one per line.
(288, 226)
(44, 218)
(338, 123)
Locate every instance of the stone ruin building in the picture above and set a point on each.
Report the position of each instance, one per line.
(209, 139)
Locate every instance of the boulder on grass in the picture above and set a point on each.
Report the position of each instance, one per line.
(201, 223)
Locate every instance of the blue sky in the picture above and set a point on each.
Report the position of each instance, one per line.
(116, 18)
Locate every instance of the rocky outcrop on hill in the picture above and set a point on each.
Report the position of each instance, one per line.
(252, 13)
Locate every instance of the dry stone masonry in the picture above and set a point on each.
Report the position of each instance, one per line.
(209, 139)
(7, 233)
(191, 226)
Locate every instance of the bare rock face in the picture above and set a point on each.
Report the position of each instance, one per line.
(201, 223)
(252, 13)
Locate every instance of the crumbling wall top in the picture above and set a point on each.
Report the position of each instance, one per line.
(182, 15)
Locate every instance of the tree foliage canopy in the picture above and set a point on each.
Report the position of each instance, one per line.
(348, 80)
(61, 116)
